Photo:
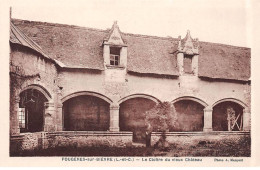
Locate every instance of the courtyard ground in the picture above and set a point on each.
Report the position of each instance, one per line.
(201, 149)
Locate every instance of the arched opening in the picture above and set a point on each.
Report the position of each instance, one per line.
(190, 115)
(31, 110)
(86, 113)
(227, 116)
(132, 116)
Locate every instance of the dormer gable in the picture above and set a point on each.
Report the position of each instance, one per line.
(187, 57)
(115, 55)
(188, 45)
(114, 37)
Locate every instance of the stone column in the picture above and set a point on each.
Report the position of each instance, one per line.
(49, 116)
(114, 118)
(246, 120)
(15, 129)
(59, 118)
(207, 119)
(180, 57)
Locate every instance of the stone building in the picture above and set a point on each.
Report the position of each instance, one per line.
(85, 86)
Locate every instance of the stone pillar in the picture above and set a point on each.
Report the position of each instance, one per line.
(15, 129)
(246, 120)
(59, 118)
(207, 119)
(49, 117)
(106, 54)
(180, 57)
(195, 61)
(114, 118)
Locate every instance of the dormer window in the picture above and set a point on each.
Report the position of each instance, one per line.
(115, 56)
(187, 64)
(187, 56)
(115, 50)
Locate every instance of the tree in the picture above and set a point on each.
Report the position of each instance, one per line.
(161, 118)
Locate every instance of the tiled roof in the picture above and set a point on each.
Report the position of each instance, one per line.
(151, 55)
(82, 47)
(17, 37)
(224, 62)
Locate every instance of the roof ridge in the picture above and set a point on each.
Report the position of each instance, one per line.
(60, 25)
(151, 36)
(224, 45)
(94, 29)
(124, 33)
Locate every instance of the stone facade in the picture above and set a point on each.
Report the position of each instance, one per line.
(116, 86)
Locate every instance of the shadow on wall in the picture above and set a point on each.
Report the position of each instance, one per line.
(190, 116)
(86, 113)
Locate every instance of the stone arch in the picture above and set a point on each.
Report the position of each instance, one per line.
(139, 95)
(33, 100)
(132, 111)
(190, 114)
(238, 112)
(87, 93)
(191, 98)
(39, 88)
(86, 111)
(231, 100)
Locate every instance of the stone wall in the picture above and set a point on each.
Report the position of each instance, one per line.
(33, 70)
(165, 89)
(44, 140)
(25, 141)
(33, 63)
(81, 139)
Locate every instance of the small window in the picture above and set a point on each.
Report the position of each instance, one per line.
(114, 56)
(21, 116)
(187, 64)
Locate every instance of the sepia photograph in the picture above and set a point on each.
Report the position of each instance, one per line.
(83, 91)
(130, 80)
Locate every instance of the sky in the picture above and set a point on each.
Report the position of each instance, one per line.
(219, 21)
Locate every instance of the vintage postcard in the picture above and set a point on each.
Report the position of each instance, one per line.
(129, 83)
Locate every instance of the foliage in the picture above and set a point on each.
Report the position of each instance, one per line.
(161, 118)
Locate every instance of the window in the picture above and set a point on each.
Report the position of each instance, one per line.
(21, 116)
(187, 64)
(114, 56)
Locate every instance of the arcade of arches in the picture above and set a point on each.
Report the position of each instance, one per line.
(91, 113)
